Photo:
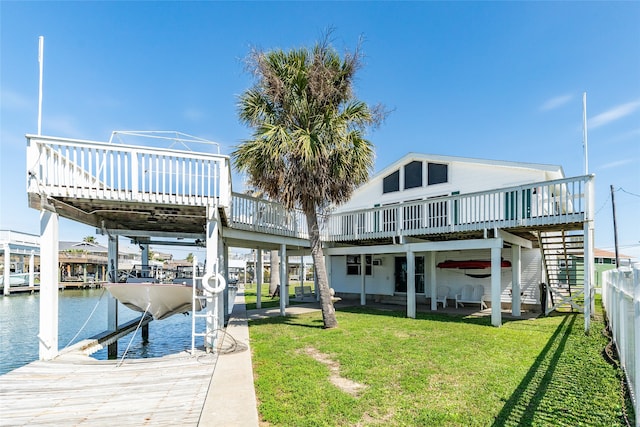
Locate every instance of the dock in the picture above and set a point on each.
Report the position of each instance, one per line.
(203, 389)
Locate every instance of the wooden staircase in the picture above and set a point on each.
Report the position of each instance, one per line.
(563, 261)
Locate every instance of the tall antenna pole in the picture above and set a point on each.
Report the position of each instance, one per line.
(584, 133)
(41, 63)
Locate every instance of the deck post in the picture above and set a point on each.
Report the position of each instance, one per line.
(283, 279)
(496, 312)
(411, 284)
(430, 266)
(516, 277)
(215, 314)
(32, 269)
(259, 273)
(363, 271)
(48, 336)
(589, 262)
(7, 269)
(112, 305)
(225, 292)
(144, 259)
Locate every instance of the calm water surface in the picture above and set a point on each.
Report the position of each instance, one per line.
(19, 322)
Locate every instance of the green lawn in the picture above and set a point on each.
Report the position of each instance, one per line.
(250, 295)
(436, 370)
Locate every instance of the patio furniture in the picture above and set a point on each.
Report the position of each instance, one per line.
(441, 295)
(471, 295)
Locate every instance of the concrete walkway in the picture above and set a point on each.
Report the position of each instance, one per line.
(231, 400)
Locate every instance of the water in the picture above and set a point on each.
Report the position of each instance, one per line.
(19, 323)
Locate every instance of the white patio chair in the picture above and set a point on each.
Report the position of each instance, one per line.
(442, 294)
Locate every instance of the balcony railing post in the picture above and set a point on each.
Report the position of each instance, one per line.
(134, 175)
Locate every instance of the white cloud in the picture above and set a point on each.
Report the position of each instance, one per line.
(193, 114)
(618, 163)
(613, 114)
(11, 100)
(60, 125)
(558, 101)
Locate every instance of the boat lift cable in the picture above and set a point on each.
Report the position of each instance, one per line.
(86, 321)
(133, 335)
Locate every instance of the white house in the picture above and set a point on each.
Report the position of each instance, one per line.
(440, 220)
(424, 226)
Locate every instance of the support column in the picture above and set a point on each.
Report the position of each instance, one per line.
(516, 280)
(589, 262)
(588, 275)
(112, 305)
(144, 258)
(146, 273)
(302, 275)
(363, 273)
(283, 279)
(215, 314)
(411, 284)
(48, 336)
(496, 260)
(7, 269)
(259, 273)
(32, 269)
(225, 293)
(430, 265)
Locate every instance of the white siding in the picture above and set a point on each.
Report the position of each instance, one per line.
(382, 281)
(463, 177)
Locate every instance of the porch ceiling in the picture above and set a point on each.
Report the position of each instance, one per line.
(158, 218)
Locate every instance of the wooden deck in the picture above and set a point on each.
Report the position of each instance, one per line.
(78, 390)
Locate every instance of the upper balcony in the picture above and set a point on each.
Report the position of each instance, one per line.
(127, 187)
(548, 205)
(115, 185)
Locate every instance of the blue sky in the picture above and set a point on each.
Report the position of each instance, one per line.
(499, 80)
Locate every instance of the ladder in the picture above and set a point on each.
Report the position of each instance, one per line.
(564, 266)
(210, 313)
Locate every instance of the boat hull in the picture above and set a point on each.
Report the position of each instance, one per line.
(161, 300)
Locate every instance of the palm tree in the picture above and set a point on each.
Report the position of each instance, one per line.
(89, 239)
(308, 148)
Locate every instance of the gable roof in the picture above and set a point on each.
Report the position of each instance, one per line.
(601, 253)
(412, 156)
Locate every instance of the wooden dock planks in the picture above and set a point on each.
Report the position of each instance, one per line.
(78, 390)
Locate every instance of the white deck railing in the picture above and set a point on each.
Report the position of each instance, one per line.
(544, 203)
(59, 167)
(621, 300)
(253, 214)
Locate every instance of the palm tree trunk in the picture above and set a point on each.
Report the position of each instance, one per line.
(328, 312)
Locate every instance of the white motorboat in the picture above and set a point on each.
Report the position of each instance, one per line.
(161, 300)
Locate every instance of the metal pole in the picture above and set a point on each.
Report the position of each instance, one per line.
(41, 64)
(615, 228)
(584, 133)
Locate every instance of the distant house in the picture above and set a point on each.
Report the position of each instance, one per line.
(606, 260)
(87, 262)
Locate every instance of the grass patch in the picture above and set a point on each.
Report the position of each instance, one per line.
(251, 292)
(434, 370)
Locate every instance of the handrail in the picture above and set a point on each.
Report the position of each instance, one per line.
(254, 214)
(542, 203)
(60, 167)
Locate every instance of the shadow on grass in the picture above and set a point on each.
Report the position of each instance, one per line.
(524, 403)
(288, 320)
(392, 311)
